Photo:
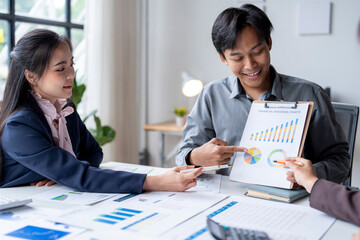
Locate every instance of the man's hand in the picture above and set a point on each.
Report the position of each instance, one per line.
(304, 176)
(214, 152)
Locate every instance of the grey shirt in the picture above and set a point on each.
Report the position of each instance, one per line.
(222, 108)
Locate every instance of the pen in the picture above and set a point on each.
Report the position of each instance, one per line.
(206, 169)
(301, 164)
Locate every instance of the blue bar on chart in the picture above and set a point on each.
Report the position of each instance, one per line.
(271, 130)
(118, 215)
(282, 140)
(266, 134)
(287, 140)
(141, 221)
(296, 122)
(125, 197)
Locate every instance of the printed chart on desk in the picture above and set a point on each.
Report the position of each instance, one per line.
(151, 213)
(279, 220)
(270, 134)
(64, 194)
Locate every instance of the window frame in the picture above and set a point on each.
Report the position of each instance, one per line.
(12, 18)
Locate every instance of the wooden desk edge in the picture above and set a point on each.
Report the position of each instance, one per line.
(169, 126)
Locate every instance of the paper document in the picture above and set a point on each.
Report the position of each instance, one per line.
(38, 229)
(134, 168)
(279, 220)
(72, 196)
(148, 214)
(207, 183)
(271, 133)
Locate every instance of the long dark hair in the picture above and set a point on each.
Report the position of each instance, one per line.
(32, 52)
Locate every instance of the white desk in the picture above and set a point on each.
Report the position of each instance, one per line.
(339, 230)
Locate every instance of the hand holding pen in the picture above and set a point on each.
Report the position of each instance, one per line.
(300, 164)
(304, 176)
(207, 169)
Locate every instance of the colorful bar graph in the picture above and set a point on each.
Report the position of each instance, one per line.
(120, 214)
(284, 133)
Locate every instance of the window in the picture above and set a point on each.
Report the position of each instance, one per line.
(17, 17)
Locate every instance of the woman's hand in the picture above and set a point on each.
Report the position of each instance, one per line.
(356, 236)
(172, 180)
(45, 182)
(303, 175)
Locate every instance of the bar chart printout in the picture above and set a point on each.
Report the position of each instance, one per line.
(148, 214)
(280, 221)
(270, 134)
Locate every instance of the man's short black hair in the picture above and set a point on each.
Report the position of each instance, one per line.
(230, 23)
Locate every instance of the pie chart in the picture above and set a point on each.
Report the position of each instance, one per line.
(252, 156)
(277, 154)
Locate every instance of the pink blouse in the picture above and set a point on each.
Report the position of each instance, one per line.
(55, 116)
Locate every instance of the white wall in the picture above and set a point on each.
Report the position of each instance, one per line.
(179, 38)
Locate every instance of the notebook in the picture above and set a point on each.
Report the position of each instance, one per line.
(276, 194)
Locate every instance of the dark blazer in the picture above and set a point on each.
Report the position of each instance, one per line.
(336, 200)
(29, 154)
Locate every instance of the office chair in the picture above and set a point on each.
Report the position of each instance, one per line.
(347, 116)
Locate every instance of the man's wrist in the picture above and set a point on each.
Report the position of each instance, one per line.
(192, 157)
(187, 158)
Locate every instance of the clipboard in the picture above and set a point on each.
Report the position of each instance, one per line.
(273, 131)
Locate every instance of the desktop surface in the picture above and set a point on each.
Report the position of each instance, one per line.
(339, 230)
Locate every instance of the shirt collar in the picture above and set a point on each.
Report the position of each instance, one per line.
(276, 87)
(237, 89)
(54, 111)
(274, 94)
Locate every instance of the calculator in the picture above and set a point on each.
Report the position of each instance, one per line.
(221, 232)
(7, 201)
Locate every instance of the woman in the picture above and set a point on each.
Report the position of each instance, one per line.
(43, 139)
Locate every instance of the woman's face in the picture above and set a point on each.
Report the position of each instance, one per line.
(57, 79)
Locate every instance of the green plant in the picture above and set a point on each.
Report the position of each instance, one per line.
(102, 134)
(180, 111)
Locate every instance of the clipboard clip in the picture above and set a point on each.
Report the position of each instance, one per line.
(292, 105)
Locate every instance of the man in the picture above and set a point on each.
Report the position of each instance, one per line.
(215, 126)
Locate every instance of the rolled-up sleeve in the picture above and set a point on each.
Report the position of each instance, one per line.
(198, 129)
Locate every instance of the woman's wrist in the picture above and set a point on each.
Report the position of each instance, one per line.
(310, 183)
(151, 183)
